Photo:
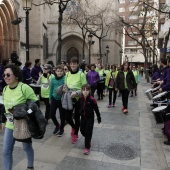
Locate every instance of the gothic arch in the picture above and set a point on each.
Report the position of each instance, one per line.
(9, 34)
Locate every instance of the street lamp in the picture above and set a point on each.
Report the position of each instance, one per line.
(121, 52)
(146, 63)
(107, 53)
(27, 4)
(154, 39)
(90, 43)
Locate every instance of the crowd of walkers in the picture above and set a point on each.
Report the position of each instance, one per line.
(68, 88)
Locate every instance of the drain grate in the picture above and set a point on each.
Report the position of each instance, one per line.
(121, 152)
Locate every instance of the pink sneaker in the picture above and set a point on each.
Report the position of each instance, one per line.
(86, 151)
(109, 106)
(122, 108)
(125, 111)
(72, 132)
(74, 139)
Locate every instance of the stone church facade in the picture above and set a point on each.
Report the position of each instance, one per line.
(43, 35)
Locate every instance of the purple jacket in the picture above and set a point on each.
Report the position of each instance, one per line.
(164, 74)
(156, 75)
(92, 78)
(166, 84)
(26, 75)
(35, 72)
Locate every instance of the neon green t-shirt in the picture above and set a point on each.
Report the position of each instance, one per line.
(75, 81)
(125, 74)
(13, 97)
(136, 75)
(45, 86)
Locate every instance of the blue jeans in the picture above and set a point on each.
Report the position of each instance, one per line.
(8, 146)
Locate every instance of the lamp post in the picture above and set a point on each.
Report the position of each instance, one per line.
(27, 4)
(146, 67)
(154, 39)
(107, 53)
(121, 52)
(90, 42)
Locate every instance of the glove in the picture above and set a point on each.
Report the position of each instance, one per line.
(99, 120)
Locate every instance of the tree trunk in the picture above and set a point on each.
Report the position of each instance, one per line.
(100, 50)
(60, 18)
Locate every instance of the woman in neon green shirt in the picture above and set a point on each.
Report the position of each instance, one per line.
(44, 80)
(13, 94)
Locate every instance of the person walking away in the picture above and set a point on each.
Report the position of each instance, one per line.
(44, 80)
(110, 84)
(92, 78)
(87, 107)
(20, 94)
(101, 83)
(125, 82)
(55, 101)
(74, 80)
(26, 71)
(136, 75)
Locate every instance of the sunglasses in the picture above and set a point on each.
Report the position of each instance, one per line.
(7, 75)
(65, 69)
(46, 69)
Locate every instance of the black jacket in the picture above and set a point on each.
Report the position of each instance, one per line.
(88, 106)
(130, 80)
(35, 119)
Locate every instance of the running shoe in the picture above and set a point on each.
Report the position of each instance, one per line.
(86, 151)
(74, 139)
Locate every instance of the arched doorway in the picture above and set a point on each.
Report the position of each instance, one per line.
(72, 52)
(9, 34)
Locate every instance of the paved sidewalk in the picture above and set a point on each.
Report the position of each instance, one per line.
(121, 142)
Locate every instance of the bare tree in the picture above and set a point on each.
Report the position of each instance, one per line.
(93, 20)
(62, 4)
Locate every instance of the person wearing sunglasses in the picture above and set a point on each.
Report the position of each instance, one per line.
(66, 69)
(15, 93)
(44, 80)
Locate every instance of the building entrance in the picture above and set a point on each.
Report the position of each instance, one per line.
(72, 52)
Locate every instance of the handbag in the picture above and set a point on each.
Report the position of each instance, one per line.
(111, 81)
(21, 131)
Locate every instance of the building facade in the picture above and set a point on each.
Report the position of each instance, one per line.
(139, 25)
(43, 35)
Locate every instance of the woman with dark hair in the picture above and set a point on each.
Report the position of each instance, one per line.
(27, 79)
(66, 69)
(110, 84)
(92, 78)
(125, 82)
(20, 94)
(156, 73)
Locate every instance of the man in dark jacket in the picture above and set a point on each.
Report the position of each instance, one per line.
(36, 70)
(27, 79)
